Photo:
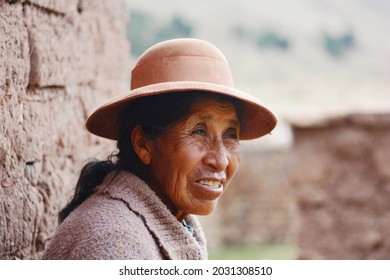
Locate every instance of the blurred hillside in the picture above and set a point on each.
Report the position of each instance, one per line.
(305, 59)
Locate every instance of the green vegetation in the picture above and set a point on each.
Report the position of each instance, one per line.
(337, 45)
(269, 251)
(266, 39)
(176, 28)
(143, 31)
(271, 39)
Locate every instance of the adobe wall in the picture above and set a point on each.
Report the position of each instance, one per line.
(56, 62)
(341, 181)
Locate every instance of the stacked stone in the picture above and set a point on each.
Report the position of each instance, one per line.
(58, 61)
(341, 181)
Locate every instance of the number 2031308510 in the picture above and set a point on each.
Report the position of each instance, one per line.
(242, 270)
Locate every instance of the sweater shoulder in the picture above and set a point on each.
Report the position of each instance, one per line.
(102, 228)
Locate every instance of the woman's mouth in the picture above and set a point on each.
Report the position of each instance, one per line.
(208, 189)
(211, 183)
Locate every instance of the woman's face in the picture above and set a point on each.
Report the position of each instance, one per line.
(195, 159)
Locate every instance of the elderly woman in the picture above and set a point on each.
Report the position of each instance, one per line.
(178, 134)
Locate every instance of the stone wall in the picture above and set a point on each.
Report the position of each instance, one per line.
(341, 181)
(56, 66)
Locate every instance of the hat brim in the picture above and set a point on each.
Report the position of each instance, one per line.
(257, 120)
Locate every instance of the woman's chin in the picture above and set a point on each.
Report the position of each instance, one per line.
(206, 208)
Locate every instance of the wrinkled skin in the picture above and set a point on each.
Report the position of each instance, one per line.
(192, 163)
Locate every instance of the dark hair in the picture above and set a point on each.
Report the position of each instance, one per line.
(155, 114)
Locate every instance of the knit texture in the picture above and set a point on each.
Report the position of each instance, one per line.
(125, 219)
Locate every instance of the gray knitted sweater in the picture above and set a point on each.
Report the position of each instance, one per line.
(124, 219)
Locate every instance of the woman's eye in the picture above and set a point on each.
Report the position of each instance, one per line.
(199, 131)
(232, 134)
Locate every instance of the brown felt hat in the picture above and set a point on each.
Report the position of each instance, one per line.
(181, 65)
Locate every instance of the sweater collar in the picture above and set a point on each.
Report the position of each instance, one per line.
(175, 241)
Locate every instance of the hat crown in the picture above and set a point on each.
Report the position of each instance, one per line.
(179, 60)
(181, 47)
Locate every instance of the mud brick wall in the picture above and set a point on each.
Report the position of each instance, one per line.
(58, 61)
(341, 181)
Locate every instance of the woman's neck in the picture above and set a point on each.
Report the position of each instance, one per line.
(180, 215)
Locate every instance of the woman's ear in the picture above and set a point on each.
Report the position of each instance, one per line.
(141, 145)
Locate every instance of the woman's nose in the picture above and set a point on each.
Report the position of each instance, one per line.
(217, 157)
